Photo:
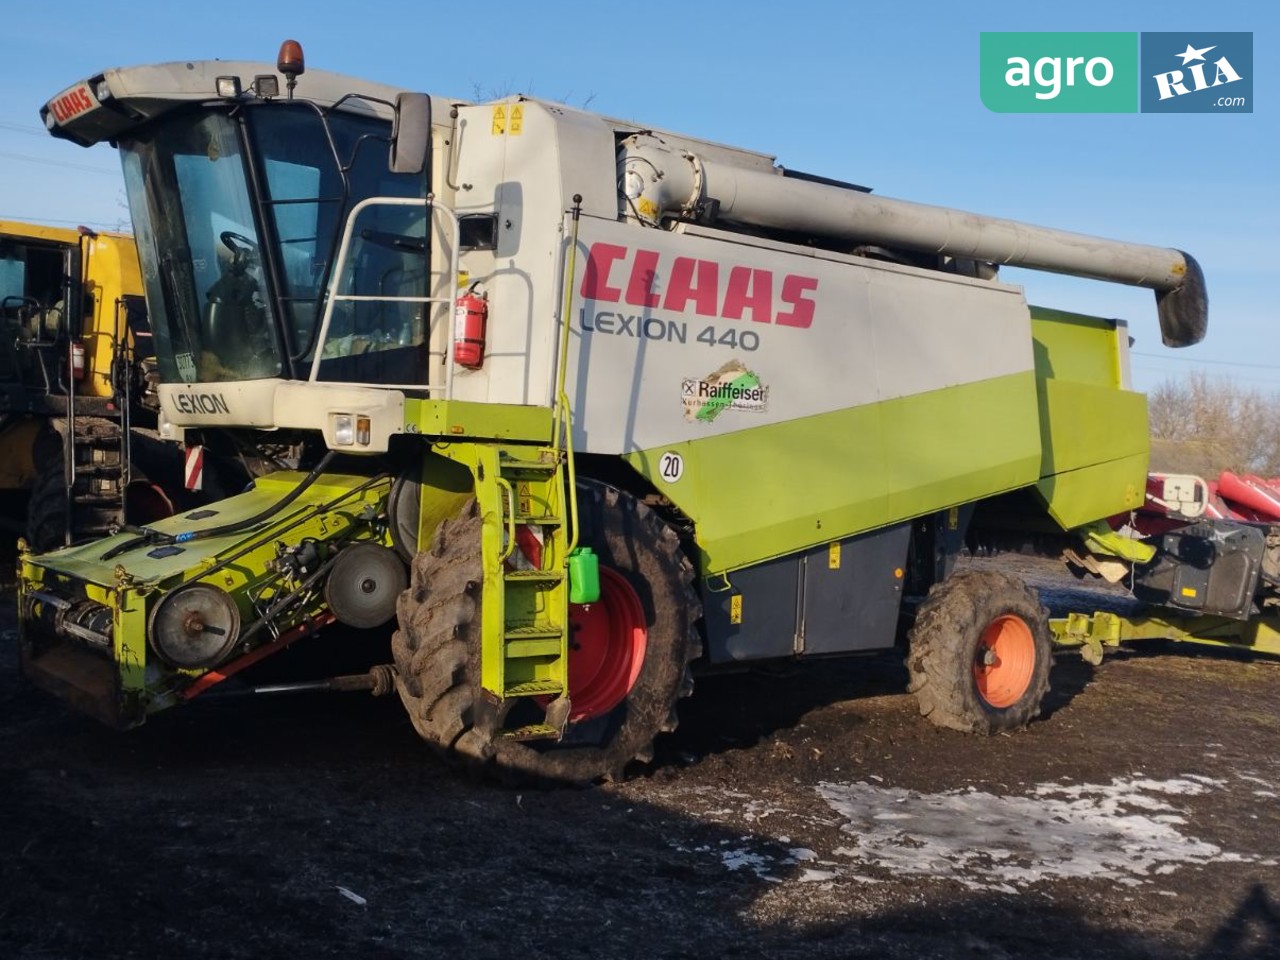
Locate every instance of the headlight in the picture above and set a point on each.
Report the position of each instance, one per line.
(344, 429)
(266, 85)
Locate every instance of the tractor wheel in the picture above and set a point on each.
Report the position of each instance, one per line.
(980, 653)
(629, 652)
(47, 506)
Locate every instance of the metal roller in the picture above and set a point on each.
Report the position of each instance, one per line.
(364, 583)
(196, 625)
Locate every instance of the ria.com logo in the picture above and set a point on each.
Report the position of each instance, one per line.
(1117, 72)
(1197, 73)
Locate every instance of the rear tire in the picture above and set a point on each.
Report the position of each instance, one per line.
(437, 647)
(980, 653)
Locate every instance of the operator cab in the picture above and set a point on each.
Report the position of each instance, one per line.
(239, 199)
(48, 304)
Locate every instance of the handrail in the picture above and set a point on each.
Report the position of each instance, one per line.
(430, 204)
(122, 360)
(510, 496)
(562, 416)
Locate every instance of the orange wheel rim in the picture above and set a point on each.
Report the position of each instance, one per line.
(1004, 661)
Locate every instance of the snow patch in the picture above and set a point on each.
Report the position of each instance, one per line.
(817, 876)
(742, 858)
(1248, 778)
(1124, 831)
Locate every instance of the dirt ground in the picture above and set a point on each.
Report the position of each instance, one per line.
(805, 811)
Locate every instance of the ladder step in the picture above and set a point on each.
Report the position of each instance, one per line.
(534, 731)
(536, 468)
(527, 519)
(534, 688)
(523, 649)
(100, 500)
(534, 631)
(102, 428)
(97, 441)
(533, 576)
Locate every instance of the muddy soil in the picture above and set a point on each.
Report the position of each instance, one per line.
(803, 811)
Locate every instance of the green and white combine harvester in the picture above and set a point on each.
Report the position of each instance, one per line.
(584, 405)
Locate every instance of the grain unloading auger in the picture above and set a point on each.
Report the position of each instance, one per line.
(663, 184)
(622, 401)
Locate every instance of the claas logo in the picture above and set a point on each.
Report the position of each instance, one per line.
(72, 104)
(648, 278)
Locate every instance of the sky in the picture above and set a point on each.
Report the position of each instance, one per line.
(885, 95)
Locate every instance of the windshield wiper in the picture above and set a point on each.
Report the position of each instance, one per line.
(395, 241)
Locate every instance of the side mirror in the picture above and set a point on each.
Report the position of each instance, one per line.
(411, 133)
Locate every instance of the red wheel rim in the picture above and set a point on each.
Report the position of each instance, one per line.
(607, 641)
(1005, 660)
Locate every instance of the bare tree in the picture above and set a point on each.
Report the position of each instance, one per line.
(1204, 425)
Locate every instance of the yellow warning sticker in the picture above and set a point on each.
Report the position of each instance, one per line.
(499, 121)
(517, 120)
(647, 208)
(735, 608)
(953, 518)
(1188, 591)
(833, 556)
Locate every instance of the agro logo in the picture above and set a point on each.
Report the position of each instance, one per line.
(732, 387)
(1059, 72)
(1117, 72)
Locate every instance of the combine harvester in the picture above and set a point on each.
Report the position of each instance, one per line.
(584, 406)
(79, 454)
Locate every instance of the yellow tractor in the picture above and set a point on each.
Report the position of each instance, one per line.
(77, 440)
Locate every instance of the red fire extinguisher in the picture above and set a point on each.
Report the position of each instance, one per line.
(77, 359)
(471, 311)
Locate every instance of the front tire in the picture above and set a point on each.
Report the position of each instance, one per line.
(980, 653)
(46, 526)
(627, 670)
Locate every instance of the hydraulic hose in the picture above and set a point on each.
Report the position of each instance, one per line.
(151, 537)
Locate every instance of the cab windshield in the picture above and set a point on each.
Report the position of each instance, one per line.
(238, 218)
